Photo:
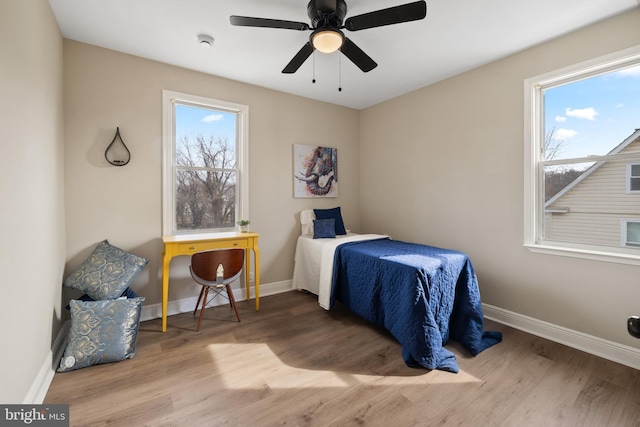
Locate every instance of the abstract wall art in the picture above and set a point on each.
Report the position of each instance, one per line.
(315, 171)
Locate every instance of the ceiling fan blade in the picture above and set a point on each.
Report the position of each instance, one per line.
(357, 56)
(393, 15)
(299, 59)
(247, 21)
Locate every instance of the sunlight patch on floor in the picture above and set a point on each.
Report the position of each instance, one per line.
(238, 368)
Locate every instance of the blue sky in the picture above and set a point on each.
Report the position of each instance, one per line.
(593, 116)
(193, 121)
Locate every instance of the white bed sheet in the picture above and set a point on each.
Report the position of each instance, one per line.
(313, 267)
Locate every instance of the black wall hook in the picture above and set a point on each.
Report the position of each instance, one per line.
(117, 154)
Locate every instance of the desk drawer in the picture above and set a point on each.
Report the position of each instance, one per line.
(189, 248)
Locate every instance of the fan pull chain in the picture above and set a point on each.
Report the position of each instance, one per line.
(339, 73)
(314, 67)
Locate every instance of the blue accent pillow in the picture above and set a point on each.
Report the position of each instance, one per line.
(128, 293)
(107, 272)
(324, 228)
(101, 332)
(332, 213)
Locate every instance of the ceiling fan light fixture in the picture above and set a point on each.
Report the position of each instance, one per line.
(327, 41)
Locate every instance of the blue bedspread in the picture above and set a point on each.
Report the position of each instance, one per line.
(422, 295)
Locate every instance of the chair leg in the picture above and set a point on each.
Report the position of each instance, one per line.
(232, 300)
(199, 299)
(204, 302)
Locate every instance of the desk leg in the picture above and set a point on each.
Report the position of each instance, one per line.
(256, 253)
(166, 260)
(247, 273)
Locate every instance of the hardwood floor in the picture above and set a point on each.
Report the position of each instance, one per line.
(296, 364)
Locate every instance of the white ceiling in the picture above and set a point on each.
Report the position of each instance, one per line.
(456, 36)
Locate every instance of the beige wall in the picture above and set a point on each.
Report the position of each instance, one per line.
(105, 89)
(32, 248)
(448, 160)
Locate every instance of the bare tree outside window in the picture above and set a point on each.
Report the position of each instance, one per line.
(206, 178)
(558, 177)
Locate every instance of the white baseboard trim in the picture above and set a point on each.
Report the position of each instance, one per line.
(154, 311)
(609, 350)
(40, 386)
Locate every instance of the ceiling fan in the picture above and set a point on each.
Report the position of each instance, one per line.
(327, 22)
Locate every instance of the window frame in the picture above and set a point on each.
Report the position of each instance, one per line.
(169, 167)
(533, 155)
(624, 231)
(630, 177)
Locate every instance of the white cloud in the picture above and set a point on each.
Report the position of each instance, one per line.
(561, 119)
(584, 113)
(562, 134)
(619, 105)
(212, 118)
(629, 72)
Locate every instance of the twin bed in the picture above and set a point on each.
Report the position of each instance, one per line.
(422, 295)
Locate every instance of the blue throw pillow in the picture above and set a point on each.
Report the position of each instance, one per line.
(101, 332)
(107, 272)
(324, 228)
(332, 213)
(128, 293)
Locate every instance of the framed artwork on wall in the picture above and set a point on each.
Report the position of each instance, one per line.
(315, 171)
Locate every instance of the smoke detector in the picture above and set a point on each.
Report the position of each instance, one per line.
(205, 39)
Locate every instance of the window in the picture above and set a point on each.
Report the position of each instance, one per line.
(205, 164)
(582, 160)
(633, 177)
(631, 233)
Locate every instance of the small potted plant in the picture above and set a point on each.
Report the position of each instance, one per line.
(244, 225)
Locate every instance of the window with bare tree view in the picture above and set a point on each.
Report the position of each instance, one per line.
(583, 144)
(205, 165)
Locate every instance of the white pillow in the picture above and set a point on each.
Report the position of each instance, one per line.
(306, 221)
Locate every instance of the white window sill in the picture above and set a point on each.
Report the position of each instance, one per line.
(586, 253)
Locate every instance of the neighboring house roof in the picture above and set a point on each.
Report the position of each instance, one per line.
(624, 144)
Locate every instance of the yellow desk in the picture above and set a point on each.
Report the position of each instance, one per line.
(188, 244)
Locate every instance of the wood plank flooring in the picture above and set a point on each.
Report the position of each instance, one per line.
(295, 364)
